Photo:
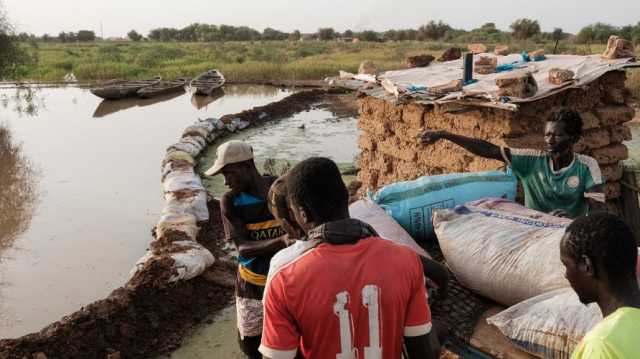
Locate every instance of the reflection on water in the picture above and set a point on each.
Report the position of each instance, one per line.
(99, 193)
(24, 101)
(18, 190)
(253, 90)
(108, 107)
(201, 102)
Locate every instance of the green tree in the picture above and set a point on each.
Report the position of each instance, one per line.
(598, 32)
(326, 33)
(348, 33)
(273, 34)
(12, 56)
(369, 35)
(86, 36)
(525, 28)
(295, 35)
(134, 36)
(433, 30)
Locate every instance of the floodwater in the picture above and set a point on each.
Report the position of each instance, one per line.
(633, 161)
(325, 130)
(81, 191)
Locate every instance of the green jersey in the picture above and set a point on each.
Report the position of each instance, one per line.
(546, 190)
(616, 337)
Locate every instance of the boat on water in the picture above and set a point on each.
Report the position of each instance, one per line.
(163, 88)
(208, 82)
(116, 90)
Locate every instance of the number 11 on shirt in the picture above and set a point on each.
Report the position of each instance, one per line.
(370, 299)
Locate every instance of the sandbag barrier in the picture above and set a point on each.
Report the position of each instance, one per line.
(182, 279)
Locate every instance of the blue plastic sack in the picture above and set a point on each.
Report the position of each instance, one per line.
(411, 203)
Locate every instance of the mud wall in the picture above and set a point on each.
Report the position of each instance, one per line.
(391, 152)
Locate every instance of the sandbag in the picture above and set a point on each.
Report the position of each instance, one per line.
(549, 325)
(411, 203)
(190, 262)
(502, 250)
(181, 180)
(187, 201)
(387, 228)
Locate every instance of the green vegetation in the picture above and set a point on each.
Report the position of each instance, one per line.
(242, 61)
(13, 57)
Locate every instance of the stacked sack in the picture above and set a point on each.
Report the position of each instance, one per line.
(175, 248)
(511, 254)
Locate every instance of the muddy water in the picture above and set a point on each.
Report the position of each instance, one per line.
(322, 131)
(80, 192)
(634, 146)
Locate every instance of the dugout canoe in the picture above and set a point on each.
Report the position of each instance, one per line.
(122, 89)
(208, 82)
(163, 88)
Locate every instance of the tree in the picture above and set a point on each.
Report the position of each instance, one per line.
(86, 36)
(348, 33)
(295, 35)
(272, 34)
(12, 55)
(134, 36)
(368, 35)
(326, 33)
(525, 28)
(433, 30)
(598, 32)
(557, 34)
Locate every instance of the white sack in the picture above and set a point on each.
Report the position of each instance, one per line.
(387, 228)
(188, 264)
(502, 250)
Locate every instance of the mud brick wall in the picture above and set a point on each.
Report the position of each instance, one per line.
(391, 152)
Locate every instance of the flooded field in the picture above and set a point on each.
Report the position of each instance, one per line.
(81, 191)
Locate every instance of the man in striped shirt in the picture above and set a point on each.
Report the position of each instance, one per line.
(256, 234)
(555, 180)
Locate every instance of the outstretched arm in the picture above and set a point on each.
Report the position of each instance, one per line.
(478, 147)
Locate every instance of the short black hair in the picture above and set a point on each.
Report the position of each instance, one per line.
(605, 239)
(572, 121)
(316, 185)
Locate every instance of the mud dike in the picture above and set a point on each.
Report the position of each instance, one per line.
(391, 150)
(183, 278)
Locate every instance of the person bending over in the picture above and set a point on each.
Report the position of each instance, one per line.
(256, 234)
(600, 257)
(354, 295)
(556, 180)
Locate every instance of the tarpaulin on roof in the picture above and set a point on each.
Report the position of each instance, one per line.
(415, 82)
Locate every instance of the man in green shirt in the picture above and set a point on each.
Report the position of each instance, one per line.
(600, 257)
(555, 180)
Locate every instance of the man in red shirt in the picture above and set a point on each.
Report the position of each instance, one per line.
(352, 296)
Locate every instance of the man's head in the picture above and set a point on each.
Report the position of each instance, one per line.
(234, 160)
(316, 193)
(562, 130)
(279, 208)
(598, 252)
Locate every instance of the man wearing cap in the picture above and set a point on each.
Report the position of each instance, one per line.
(256, 234)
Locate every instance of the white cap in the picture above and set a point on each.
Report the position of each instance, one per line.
(228, 153)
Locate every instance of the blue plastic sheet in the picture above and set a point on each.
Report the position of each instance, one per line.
(411, 203)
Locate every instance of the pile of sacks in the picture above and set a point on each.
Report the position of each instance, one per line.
(511, 254)
(174, 247)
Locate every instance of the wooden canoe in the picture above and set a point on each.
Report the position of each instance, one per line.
(163, 88)
(207, 82)
(122, 89)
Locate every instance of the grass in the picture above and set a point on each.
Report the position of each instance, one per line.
(244, 61)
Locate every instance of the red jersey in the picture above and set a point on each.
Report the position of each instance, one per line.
(346, 302)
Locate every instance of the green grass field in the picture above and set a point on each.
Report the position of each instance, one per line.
(242, 61)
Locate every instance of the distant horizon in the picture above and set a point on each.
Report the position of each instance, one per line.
(117, 17)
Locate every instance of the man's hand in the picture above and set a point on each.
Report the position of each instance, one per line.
(559, 213)
(429, 137)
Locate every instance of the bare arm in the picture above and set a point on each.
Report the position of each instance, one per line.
(267, 247)
(478, 147)
(436, 272)
(595, 205)
(423, 346)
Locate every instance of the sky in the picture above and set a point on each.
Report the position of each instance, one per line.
(114, 18)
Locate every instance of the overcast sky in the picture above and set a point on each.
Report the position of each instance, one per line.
(120, 16)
